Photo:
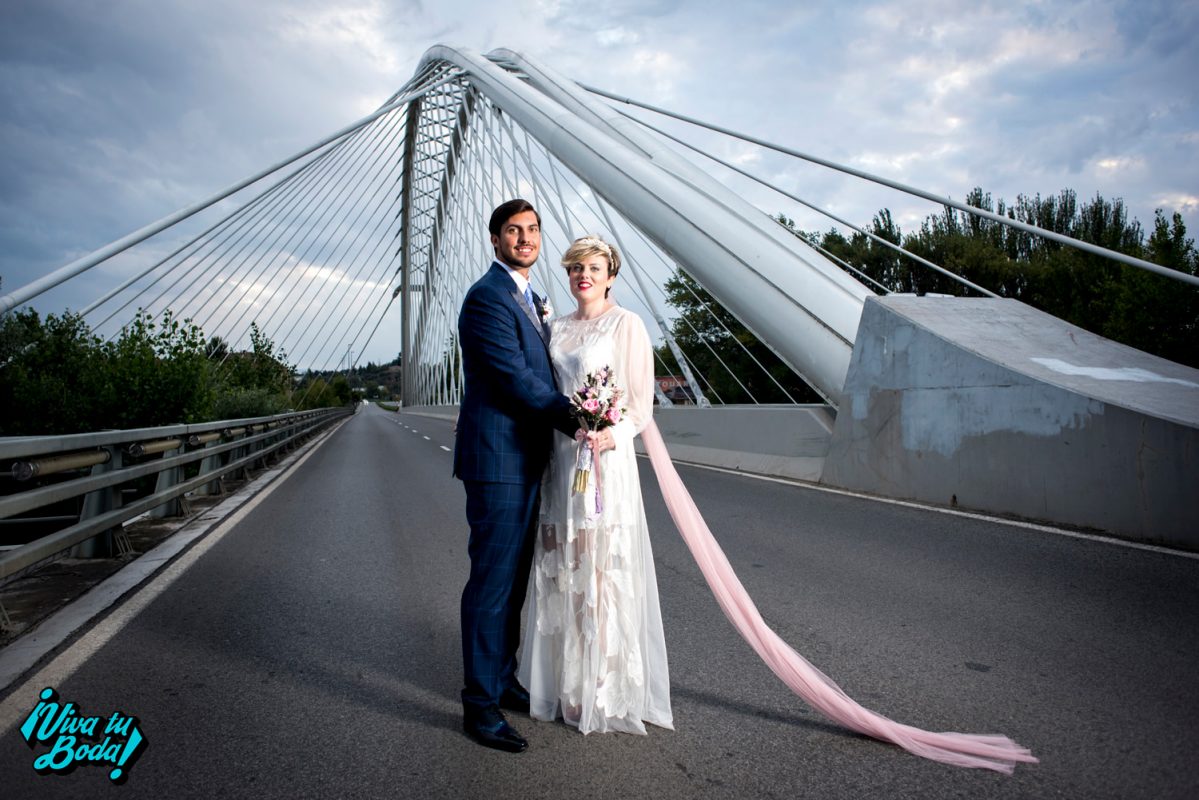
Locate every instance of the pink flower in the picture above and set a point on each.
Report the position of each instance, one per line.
(613, 415)
(591, 405)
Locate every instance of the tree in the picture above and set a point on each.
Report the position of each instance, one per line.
(158, 374)
(723, 351)
(253, 383)
(58, 377)
(1114, 300)
(341, 390)
(314, 393)
(217, 349)
(51, 375)
(262, 367)
(1152, 312)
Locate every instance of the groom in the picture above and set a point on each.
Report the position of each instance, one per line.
(506, 423)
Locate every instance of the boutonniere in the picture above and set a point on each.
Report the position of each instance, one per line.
(547, 312)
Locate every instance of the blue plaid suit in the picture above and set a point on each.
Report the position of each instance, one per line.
(509, 409)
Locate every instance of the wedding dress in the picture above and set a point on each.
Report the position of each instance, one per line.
(594, 650)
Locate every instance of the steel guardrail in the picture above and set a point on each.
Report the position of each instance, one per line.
(247, 440)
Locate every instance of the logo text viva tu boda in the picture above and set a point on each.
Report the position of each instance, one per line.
(75, 740)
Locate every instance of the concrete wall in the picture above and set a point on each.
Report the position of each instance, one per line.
(991, 405)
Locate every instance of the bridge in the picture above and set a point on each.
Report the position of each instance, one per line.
(976, 401)
(345, 608)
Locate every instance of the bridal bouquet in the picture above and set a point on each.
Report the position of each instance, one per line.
(597, 406)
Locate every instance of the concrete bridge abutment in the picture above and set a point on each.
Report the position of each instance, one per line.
(991, 405)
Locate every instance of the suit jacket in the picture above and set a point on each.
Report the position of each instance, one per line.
(510, 405)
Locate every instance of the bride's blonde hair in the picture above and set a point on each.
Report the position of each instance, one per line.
(588, 246)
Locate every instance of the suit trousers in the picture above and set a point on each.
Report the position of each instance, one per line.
(503, 522)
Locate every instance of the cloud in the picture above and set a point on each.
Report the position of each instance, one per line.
(1185, 203)
(1119, 163)
(117, 114)
(358, 29)
(616, 36)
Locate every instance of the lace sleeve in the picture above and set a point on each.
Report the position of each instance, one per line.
(635, 371)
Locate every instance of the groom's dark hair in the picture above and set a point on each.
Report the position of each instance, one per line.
(507, 211)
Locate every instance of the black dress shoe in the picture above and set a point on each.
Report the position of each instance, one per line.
(515, 698)
(489, 728)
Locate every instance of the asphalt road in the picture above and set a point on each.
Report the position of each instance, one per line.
(313, 651)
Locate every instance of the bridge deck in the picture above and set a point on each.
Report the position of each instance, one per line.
(313, 651)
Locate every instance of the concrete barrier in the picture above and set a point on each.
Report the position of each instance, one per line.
(992, 405)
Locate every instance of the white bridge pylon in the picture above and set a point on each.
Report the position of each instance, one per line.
(799, 303)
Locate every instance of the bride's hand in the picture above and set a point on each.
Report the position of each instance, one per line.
(601, 440)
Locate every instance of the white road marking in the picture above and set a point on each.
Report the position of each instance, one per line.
(19, 703)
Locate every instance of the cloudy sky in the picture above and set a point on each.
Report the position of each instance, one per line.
(117, 113)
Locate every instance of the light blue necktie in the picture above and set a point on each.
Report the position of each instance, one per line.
(529, 298)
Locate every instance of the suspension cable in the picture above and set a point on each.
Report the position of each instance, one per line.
(79, 265)
(829, 214)
(944, 201)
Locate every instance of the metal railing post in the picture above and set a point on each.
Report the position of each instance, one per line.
(258, 447)
(243, 472)
(97, 503)
(175, 507)
(211, 463)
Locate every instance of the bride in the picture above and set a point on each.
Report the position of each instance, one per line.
(594, 650)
